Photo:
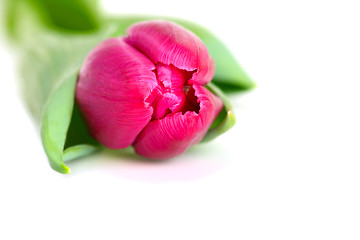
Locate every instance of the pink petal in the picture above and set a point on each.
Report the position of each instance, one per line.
(174, 134)
(172, 80)
(168, 43)
(113, 84)
(163, 105)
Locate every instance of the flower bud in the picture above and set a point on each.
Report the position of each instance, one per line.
(146, 89)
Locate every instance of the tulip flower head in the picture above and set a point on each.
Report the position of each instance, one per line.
(147, 89)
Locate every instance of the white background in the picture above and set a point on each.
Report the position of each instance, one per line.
(289, 169)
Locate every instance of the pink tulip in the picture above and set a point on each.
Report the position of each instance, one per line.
(147, 90)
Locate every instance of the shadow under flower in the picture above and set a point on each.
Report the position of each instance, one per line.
(199, 161)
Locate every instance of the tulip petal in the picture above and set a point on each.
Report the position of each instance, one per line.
(174, 134)
(168, 43)
(113, 84)
(163, 105)
(172, 82)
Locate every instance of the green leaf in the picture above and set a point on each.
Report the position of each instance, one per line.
(50, 68)
(69, 15)
(78, 151)
(53, 39)
(226, 118)
(59, 15)
(229, 75)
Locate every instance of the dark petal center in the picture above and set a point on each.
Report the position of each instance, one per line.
(173, 93)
